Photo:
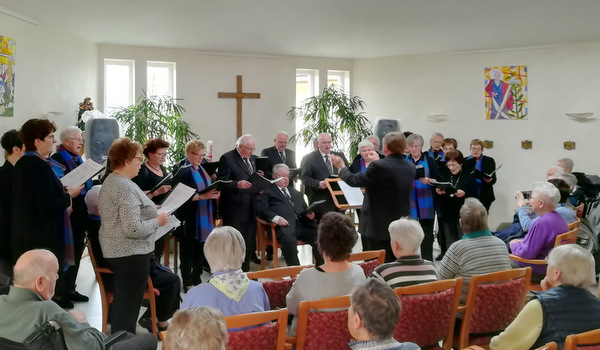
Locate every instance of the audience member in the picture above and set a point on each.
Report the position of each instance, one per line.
(376, 214)
(336, 276)
(575, 191)
(564, 208)
(367, 154)
(477, 252)
(554, 172)
(35, 275)
(484, 165)
(285, 207)
(372, 317)
(409, 268)
(564, 307)
(566, 164)
(238, 205)
(197, 328)
(435, 151)
(421, 197)
(229, 289)
(540, 238)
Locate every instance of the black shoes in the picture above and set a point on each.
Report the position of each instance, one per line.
(146, 323)
(255, 259)
(439, 257)
(75, 296)
(64, 302)
(269, 256)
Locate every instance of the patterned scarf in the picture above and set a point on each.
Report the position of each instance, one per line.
(204, 216)
(68, 242)
(231, 283)
(440, 155)
(73, 160)
(363, 166)
(421, 197)
(478, 167)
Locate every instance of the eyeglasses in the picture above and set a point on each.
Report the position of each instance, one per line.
(162, 154)
(139, 158)
(75, 139)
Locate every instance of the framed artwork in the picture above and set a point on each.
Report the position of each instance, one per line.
(505, 92)
(7, 76)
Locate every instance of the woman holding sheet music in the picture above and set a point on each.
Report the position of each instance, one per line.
(452, 197)
(127, 232)
(196, 214)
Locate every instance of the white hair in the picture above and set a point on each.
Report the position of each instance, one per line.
(436, 134)
(365, 143)
(225, 249)
(376, 144)
(278, 167)
(549, 191)
(570, 179)
(68, 132)
(558, 171)
(414, 137)
(576, 265)
(408, 233)
(243, 140)
(473, 216)
(281, 133)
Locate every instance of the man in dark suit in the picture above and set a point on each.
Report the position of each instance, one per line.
(388, 183)
(279, 153)
(238, 205)
(315, 168)
(485, 164)
(285, 206)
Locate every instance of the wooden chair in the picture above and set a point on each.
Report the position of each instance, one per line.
(107, 296)
(588, 340)
(493, 302)
(549, 346)
(167, 252)
(574, 224)
(318, 328)
(579, 210)
(279, 283)
(263, 333)
(428, 313)
(370, 260)
(163, 338)
(263, 229)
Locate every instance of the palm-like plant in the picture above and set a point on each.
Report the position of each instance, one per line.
(157, 116)
(336, 113)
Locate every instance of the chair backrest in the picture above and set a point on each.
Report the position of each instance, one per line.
(588, 340)
(371, 259)
(569, 237)
(48, 336)
(323, 324)
(265, 335)
(493, 302)
(428, 312)
(278, 289)
(549, 346)
(579, 210)
(574, 224)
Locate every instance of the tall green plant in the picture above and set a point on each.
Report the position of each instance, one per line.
(157, 116)
(336, 113)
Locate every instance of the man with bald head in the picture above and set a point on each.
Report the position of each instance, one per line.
(279, 153)
(29, 304)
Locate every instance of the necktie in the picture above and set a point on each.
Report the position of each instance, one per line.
(286, 194)
(249, 165)
(328, 164)
(282, 155)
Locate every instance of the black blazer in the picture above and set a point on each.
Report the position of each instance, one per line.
(313, 171)
(188, 212)
(388, 183)
(272, 202)
(6, 181)
(79, 216)
(235, 204)
(450, 205)
(274, 158)
(486, 195)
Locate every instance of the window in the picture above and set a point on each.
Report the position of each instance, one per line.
(340, 78)
(307, 85)
(160, 78)
(118, 84)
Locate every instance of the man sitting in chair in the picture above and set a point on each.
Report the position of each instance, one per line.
(564, 307)
(28, 305)
(285, 206)
(372, 317)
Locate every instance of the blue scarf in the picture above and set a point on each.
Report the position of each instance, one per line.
(421, 196)
(440, 155)
(204, 216)
(74, 160)
(363, 166)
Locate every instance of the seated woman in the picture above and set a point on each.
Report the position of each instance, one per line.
(229, 289)
(367, 155)
(337, 237)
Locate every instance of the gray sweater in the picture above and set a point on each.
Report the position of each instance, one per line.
(128, 218)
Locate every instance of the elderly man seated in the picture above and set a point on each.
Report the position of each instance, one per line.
(540, 238)
(477, 252)
(29, 303)
(564, 307)
(409, 268)
(372, 317)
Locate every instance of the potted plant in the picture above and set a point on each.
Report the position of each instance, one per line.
(157, 116)
(336, 113)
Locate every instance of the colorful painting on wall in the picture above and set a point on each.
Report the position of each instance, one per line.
(7, 76)
(506, 92)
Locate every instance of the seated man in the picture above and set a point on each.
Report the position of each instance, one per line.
(285, 206)
(372, 317)
(29, 301)
(564, 307)
(477, 252)
(406, 236)
(198, 328)
(540, 238)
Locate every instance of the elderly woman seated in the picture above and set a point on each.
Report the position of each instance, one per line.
(229, 289)
(564, 307)
(197, 328)
(337, 237)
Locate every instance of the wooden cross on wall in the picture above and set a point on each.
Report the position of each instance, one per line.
(239, 95)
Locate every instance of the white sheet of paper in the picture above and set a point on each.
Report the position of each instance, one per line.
(81, 174)
(354, 195)
(170, 225)
(180, 194)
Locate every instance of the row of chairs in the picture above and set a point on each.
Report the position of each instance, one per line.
(587, 340)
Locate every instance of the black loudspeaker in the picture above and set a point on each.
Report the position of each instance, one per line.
(99, 135)
(383, 126)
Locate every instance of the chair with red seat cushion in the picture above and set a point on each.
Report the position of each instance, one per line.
(266, 335)
(321, 328)
(277, 288)
(428, 313)
(584, 341)
(370, 260)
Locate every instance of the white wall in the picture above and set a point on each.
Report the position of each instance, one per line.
(201, 76)
(563, 78)
(54, 72)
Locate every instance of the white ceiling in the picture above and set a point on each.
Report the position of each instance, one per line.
(320, 28)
